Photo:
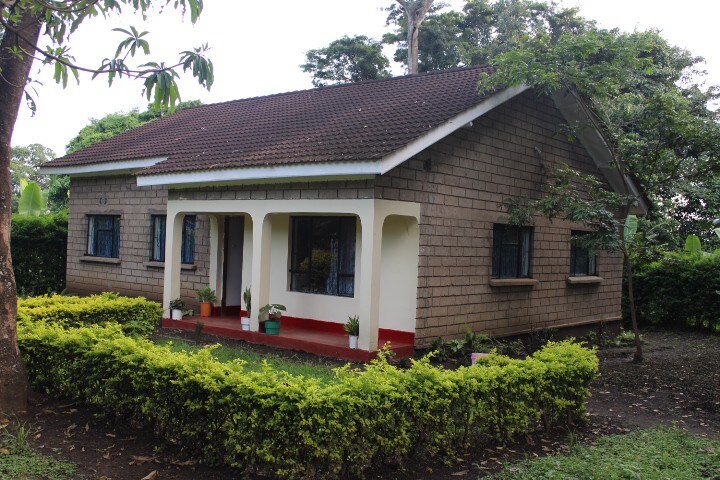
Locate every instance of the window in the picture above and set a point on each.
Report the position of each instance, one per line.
(512, 248)
(583, 261)
(323, 255)
(187, 249)
(103, 236)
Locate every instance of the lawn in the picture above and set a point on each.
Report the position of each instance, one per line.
(653, 454)
(254, 361)
(19, 461)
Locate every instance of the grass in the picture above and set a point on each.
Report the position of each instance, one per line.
(19, 461)
(654, 454)
(254, 361)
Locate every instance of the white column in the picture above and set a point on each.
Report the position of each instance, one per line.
(260, 277)
(368, 287)
(173, 245)
(215, 265)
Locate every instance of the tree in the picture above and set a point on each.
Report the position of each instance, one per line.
(654, 117)
(440, 44)
(25, 163)
(415, 11)
(346, 60)
(117, 123)
(22, 22)
(481, 31)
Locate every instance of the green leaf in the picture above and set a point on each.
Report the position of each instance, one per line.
(717, 231)
(31, 201)
(631, 225)
(692, 244)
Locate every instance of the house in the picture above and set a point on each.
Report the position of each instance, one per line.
(382, 199)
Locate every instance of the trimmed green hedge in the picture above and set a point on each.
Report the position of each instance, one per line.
(681, 289)
(136, 315)
(296, 427)
(39, 247)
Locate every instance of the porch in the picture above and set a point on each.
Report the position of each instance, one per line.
(325, 260)
(311, 336)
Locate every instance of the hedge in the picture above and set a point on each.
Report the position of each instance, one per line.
(39, 248)
(296, 427)
(681, 289)
(136, 315)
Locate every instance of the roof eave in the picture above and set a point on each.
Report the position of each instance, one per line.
(265, 174)
(102, 168)
(577, 114)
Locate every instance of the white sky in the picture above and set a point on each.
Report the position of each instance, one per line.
(258, 46)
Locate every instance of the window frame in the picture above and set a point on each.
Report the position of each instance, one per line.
(92, 235)
(188, 235)
(345, 232)
(524, 248)
(591, 263)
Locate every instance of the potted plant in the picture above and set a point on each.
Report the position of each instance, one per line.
(176, 308)
(270, 314)
(206, 296)
(247, 298)
(352, 328)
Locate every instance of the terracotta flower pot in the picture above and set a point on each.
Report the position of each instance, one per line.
(206, 309)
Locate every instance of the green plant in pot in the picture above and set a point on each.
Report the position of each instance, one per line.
(176, 309)
(352, 328)
(270, 315)
(247, 298)
(206, 296)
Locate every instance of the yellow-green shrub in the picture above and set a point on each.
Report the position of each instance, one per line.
(136, 315)
(297, 427)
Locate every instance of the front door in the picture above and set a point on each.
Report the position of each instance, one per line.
(233, 263)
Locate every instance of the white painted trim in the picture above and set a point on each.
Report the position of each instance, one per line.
(592, 139)
(334, 170)
(459, 121)
(303, 172)
(102, 168)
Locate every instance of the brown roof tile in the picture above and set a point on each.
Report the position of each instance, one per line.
(355, 122)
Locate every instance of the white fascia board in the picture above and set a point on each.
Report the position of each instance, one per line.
(334, 170)
(266, 174)
(437, 134)
(588, 133)
(103, 168)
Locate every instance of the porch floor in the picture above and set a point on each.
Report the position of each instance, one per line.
(312, 336)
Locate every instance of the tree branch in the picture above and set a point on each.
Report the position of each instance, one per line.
(47, 55)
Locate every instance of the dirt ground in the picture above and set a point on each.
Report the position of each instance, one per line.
(678, 383)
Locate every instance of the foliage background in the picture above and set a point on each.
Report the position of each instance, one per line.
(39, 251)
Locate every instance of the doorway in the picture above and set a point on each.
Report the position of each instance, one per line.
(233, 265)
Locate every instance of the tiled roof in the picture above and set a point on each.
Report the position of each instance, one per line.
(345, 123)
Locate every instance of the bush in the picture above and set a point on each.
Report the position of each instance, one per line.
(681, 289)
(297, 427)
(136, 315)
(39, 249)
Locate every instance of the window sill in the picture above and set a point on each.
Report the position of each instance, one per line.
(185, 266)
(585, 280)
(513, 282)
(105, 260)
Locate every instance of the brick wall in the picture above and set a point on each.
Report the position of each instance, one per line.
(132, 276)
(334, 190)
(461, 183)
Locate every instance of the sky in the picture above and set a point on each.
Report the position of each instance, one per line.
(257, 47)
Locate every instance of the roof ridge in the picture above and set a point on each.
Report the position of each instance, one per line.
(344, 85)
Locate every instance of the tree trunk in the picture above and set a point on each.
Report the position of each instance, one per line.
(638, 356)
(13, 76)
(415, 10)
